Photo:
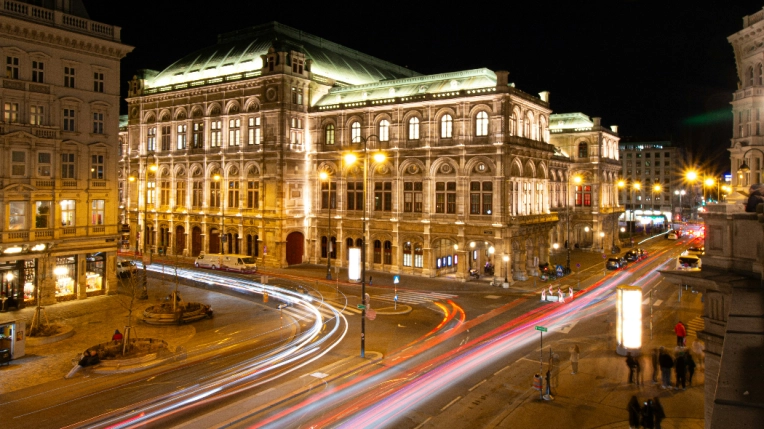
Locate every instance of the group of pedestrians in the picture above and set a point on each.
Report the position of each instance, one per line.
(683, 365)
(648, 415)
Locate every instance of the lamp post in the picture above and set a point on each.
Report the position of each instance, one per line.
(326, 178)
(506, 268)
(350, 158)
(681, 207)
(555, 246)
(708, 183)
(691, 176)
(153, 168)
(602, 240)
(634, 186)
(744, 168)
(577, 180)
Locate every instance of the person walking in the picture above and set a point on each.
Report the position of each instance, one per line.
(574, 354)
(681, 333)
(631, 363)
(666, 363)
(690, 367)
(680, 366)
(634, 412)
(654, 358)
(648, 417)
(698, 349)
(658, 412)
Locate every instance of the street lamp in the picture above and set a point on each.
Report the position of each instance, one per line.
(657, 188)
(555, 246)
(577, 180)
(681, 207)
(506, 268)
(744, 169)
(691, 176)
(324, 176)
(350, 158)
(708, 183)
(602, 240)
(219, 179)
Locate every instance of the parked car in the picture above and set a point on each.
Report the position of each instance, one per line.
(125, 268)
(688, 262)
(614, 264)
(229, 262)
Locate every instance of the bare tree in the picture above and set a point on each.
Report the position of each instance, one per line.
(133, 287)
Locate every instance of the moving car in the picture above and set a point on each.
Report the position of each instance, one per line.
(672, 235)
(229, 262)
(614, 264)
(635, 255)
(695, 250)
(125, 268)
(688, 262)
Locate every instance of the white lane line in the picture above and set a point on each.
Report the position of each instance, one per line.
(265, 391)
(451, 403)
(497, 372)
(476, 386)
(657, 302)
(423, 423)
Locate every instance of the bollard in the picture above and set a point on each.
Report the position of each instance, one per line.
(537, 381)
(548, 396)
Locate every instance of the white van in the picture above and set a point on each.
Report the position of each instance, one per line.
(230, 262)
(688, 262)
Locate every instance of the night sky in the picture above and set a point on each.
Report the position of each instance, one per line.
(659, 70)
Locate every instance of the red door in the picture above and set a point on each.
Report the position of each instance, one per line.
(294, 248)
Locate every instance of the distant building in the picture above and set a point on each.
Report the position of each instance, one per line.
(58, 145)
(593, 150)
(649, 164)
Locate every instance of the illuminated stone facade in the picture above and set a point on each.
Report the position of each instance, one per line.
(58, 145)
(250, 123)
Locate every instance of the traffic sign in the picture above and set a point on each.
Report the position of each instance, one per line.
(560, 271)
(541, 328)
(395, 298)
(578, 265)
(361, 307)
(604, 256)
(396, 279)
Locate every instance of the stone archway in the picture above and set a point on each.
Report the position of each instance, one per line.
(295, 244)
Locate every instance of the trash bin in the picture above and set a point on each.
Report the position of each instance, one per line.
(5, 356)
(537, 382)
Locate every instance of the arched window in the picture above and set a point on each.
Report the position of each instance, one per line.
(583, 150)
(760, 77)
(384, 130)
(388, 253)
(750, 76)
(333, 247)
(348, 245)
(446, 127)
(414, 128)
(330, 134)
(407, 254)
(481, 124)
(377, 252)
(418, 256)
(358, 242)
(355, 132)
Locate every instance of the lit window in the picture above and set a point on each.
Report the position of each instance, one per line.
(216, 133)
(11, 112)
(18, 216)
(481, 124)
(329, 134)
(68, 213)
(36, 115)
(446, 127)
(234, 132)
(384, 130)
(197, 138)
(42, 215)
(233, 194)
(414, 128)
(181, 138)
(254, 131)
(96, 212)
(355, 132)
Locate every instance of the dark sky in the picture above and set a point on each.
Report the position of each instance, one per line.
(659, 70)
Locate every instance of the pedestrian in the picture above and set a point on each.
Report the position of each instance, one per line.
(699, 350)
(631, 363)
(648, 416)
(638, 375)
(666, 363)
(680, 366)
(574, 353)
(634, 413)
(89, 358)
(690, 367)
(658, 413)
(654, 357)
(681, 332)
(117, 335)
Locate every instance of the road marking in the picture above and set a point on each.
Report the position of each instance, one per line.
(695, 325)
(657, 302)
(406, 297)
(451, 403)
(265, 391)
(424, 422)
(497, 372)
(492, 297)
(476, 386)
(565, 329)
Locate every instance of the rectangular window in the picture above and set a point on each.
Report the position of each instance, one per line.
(216, 133)
(67, 166)
(197, 191)
(69, 77)
(355, 196)
(233, 194)
(166, 137)
(18, 163)
(481, 198)
(11, 67)
(254, 131)
(38, 71)
(182, 129)
(326, 195)
(584, 195)
(68, 119)
(445, 197)
(151, 192)
(214, 194)
(296, 96)
(97, 82)
(36, 115)
(96, 167)
(253, 194)
(42, 215)
(11, 112)
(383, 196)
(18, 216)
(164, 192)
(44, 164)
(412, 197)
(98, 124)
(96, 212)
(234, 132)
(180, 194)
(68, 213)
(198, 137)
(151, 139)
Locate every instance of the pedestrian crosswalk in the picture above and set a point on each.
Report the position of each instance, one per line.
(407, 297)
(693, 326)
(301, 313)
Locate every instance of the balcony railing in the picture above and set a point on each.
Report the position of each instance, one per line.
(59, 19)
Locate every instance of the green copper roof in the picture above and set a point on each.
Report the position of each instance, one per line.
(441, 83)
(564, 121)
(240, 51)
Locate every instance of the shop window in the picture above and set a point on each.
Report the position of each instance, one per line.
(95, 271)
(65, 272)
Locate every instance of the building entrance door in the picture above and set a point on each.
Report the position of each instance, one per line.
(294, 248)
(196, 241)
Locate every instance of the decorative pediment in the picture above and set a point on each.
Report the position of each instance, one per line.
(20, 134)
(19, 187)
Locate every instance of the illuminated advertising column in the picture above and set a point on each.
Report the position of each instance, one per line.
(354, 264)
(628, 319)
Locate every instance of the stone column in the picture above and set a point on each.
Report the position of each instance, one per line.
(81, 280)
(110, 276)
